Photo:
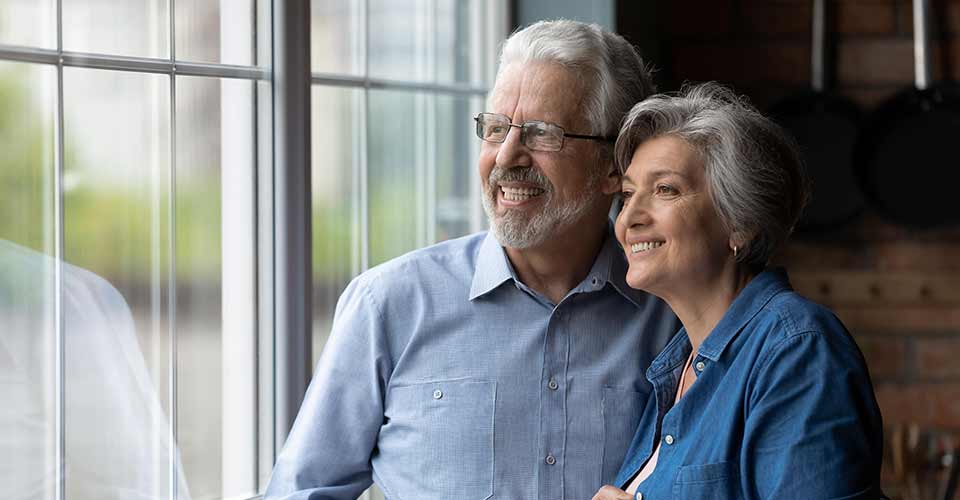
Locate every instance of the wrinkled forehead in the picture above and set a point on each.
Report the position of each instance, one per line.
(538, 91)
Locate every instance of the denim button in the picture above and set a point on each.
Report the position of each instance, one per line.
(551, 460)
(437, 394)
(595, 281)
(700, 366)
(553, 385)
(639, 496)
(668, 439)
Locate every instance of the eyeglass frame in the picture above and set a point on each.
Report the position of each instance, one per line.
(523, 141)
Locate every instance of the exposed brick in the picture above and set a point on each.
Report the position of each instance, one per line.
(769, 62)
(698, 18)
(845, 288)
(910, 256)
(927, 404)
(875, 61)
(771, 19)
(938, 357)
(864, 17)
(886, 356)
(883, 318)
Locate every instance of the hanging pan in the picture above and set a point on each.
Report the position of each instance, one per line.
(825, 126)
(908, 159)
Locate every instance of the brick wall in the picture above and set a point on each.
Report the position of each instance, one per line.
(896, 289)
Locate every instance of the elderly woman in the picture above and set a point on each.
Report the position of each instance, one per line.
(762, 393)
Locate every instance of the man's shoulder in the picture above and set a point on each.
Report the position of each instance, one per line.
(455, 258)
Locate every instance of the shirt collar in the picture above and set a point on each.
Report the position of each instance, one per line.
(748, 303)
(610, 266)
(745, 306)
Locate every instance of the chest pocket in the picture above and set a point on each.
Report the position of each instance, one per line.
(718, 481)
(622, 410)
(442, 434)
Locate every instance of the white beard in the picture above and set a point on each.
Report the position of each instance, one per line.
(520, 229)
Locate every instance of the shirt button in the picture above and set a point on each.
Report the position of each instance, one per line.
(551, 460)
(437, 394)
(553, 385)
(700, 366)
(595, 281)
(639, 496)
(668, 439)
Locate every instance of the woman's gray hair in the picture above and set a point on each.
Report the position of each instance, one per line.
(612, 72)
(753, 169)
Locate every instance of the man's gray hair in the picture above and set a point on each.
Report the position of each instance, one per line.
(753, 169)
(610, 69)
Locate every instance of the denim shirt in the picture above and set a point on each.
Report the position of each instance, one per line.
(782, 407)
(446, 377)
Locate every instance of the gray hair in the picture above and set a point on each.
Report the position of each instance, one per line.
(610, 69)
(754, 174)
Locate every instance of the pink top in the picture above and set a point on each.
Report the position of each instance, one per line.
(652, 461)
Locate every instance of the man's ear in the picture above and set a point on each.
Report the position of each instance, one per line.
(611, 183)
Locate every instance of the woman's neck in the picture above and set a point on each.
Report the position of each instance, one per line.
(701, 306)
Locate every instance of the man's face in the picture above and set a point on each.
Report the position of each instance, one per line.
(530, 195)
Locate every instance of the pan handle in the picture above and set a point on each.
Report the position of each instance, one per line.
(921, 44)
(818, 49)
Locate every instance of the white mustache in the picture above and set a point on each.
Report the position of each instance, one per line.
(527, 175)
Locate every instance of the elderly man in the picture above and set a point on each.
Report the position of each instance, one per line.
(507, 364)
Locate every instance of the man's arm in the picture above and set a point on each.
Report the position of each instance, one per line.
(327, 454)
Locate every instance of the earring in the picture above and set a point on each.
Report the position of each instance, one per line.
(736, 249)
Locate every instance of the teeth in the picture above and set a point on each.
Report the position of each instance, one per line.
(519, 194)
(644, 246)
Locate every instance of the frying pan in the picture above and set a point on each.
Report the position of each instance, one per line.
(908, 159)
(825, 126)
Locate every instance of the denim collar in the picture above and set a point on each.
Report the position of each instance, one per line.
(610, 267)
(745, 306)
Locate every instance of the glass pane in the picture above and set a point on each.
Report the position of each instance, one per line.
(336, 36)
(118, 27)
(29, 22)
(335, 175)
(400, 32)
(458, 41)
(116, 325)
(215, 31)
(216, 334)
(396, 174)
(27, 325)
(456, 164)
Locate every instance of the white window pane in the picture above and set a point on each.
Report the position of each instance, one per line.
(400, 38)
(117, 27)
(395, 173)
(456, 164)
(215, 31)
(335, 176)
(29, 22)
(216, 302)
(116, 227)
(28, 339)
(336, 36)
(458, 41)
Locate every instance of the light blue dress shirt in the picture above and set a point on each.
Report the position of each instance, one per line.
(782, 408)
(445, 377)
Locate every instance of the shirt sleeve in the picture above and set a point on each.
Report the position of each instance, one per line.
(327, 454)
(813, 427)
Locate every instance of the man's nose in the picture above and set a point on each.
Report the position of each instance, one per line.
(512, 152)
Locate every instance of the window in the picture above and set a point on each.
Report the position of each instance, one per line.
(133, 133)
(139, 279)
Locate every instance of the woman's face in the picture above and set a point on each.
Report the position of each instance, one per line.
(668, 228)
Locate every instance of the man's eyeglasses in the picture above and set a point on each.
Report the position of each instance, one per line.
(534, 134)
